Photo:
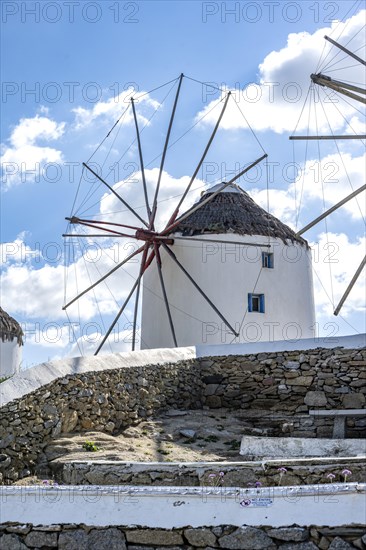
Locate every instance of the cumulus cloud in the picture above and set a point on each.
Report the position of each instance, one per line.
(336, 258)
(275, 101)
(171, 189)
(108, 111)
(23, 159)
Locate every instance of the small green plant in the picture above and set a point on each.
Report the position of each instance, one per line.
(4, 378)
(90, 446)
(234, 444)
(164, 452)
(189, 440)
(211, 438)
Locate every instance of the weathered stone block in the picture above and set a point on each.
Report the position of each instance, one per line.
(107, 539)
(38, 539)
(353, 400)
(156, 536)
(246, 538)
(75, 539)
(340, 544)
(200, 537)
(289, 533)
(11, 542)
(315, 399)
(69, 421)
(300, 381)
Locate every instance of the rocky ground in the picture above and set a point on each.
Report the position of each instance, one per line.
(175, 436)
(186, 436)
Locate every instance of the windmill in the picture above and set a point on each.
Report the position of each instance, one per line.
(163, 269)
(356, 93)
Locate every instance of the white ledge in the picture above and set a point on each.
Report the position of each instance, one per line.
(174, 507)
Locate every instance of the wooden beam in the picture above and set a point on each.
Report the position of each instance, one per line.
(116, 194)
(332, 209)
(308, 138)
(350, 286)
(212, 196)
(345, 50)
(104, 276)
(175, 259)
(154, 207)
(141, 160)
(176, 211)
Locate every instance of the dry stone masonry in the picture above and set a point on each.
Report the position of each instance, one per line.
(81, 537)
(279, 385)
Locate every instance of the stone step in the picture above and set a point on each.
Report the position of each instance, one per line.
(226, 474)
(291, 447)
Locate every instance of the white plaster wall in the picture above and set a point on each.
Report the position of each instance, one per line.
(227, 273)
(173, 507)
(10, 357)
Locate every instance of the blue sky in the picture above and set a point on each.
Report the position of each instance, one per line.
(68, 71)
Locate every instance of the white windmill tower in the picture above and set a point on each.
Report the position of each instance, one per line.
(255, 271)
(11, 342)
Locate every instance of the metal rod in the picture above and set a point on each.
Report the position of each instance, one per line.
(158, 262)
(362, 136)
(350, 286)
(142, 268)
(105, 276)
(75, 219)
(141, 160)
(329, 84)
(173, 256)
(212, 196)
(332, 209)
(214, 241)
(117, 316)
(345, 50)
(152, 220)
(176, 211)
(116, 194)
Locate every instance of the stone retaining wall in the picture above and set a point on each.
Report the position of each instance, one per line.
(287, 383)
(225, 474)
(82, 537)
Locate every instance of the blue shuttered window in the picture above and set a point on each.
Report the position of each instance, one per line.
(267, 260)
(256, 303)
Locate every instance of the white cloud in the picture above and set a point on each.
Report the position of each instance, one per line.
(333, 176)
(131, 189)
(335, 260)
(24, 158)
(275, 102)
(110, 110)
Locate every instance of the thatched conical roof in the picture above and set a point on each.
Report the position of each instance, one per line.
(10, 328)
(234, 211)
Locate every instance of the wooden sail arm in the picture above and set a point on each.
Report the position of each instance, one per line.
(350, 286)
(332, 209)
(338, 86)
(345, 50)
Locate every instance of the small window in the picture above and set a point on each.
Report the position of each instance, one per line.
(256, 303)
(267, 259)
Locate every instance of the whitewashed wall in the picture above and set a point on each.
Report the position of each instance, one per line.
(10, 357)
(227, 273)
(171, 507)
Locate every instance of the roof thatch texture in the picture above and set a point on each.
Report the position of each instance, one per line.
(235, 212)
(10, 328)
